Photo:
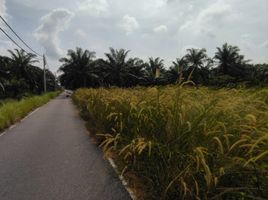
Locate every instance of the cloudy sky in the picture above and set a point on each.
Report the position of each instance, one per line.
(163, 28)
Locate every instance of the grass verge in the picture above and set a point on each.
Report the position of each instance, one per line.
(11, 111)
(184, 143)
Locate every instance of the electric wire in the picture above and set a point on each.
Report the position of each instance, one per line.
(19, 36)
(12, 40)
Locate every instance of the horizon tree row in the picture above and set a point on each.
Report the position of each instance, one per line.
(19, 76)
(227, 68)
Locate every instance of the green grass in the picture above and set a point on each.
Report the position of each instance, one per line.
(12, 110)
(184, 143)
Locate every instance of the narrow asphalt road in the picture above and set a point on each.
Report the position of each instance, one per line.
(49, 156)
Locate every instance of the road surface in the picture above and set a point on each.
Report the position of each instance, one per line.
(49, 156)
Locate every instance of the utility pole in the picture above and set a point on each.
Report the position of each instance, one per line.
(45, 81)
(55, 81)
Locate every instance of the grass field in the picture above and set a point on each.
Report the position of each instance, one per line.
(12, 110)
(183, 142)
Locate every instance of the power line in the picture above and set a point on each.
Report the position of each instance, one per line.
(12, 40)
(44, 60)
(19, 36)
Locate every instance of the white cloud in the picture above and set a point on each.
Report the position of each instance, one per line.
(208, 19)
(214, 11)
(265, 44)
(3, 8)
(246, 41)
(99, 24)
(80, 33)
(161, 28)
(94, 7)
(129, 24)
(191, 46)
(3, 38)
(48, 32)
(5, 44)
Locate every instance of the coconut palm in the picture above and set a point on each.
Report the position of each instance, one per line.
(78, 69)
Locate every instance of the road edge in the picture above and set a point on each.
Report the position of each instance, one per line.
(5, 131)
(122, 179)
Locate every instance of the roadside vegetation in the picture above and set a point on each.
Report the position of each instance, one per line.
(184, 142)
(13, 110)
(21, 86)
(19, 77)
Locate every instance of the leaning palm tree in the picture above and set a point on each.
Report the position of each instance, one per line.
(229, 59)
(78, 69)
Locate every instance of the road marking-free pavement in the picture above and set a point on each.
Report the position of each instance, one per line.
(48, 156)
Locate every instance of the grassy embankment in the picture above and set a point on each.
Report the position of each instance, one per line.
(184, 143)
(12, 110)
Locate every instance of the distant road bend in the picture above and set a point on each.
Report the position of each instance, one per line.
(48, 156)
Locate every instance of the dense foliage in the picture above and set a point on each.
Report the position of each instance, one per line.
(20, 77)
(226, 68)
(184, 142)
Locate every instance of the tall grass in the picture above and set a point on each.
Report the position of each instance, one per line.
(12, 110)
(185, 143)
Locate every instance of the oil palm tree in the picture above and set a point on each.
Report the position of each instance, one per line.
(196, 58)
(135, 72)
(229, 60)
(121, 71)
(20, 66)
(4, 72)
(20, 62)
(178, 68)
(155, 67)
(198, 63)
(115, 66)
(78, 69)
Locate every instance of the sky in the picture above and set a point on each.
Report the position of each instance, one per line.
(149, 28)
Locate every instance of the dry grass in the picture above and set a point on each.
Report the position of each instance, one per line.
(185, 143)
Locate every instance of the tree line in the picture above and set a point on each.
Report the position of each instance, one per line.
(228, 68)
(20, 77)
(80, 68)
